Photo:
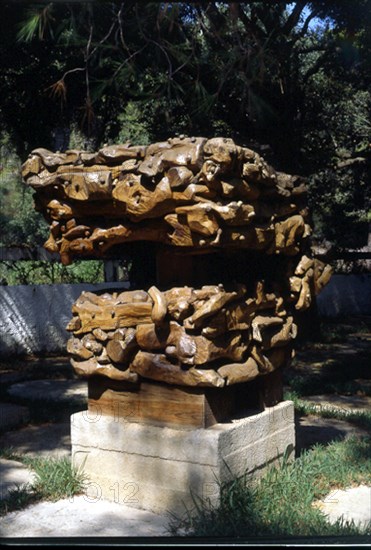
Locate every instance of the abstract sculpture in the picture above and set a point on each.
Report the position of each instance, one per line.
(218, 219)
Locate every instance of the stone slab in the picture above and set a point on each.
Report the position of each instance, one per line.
(59, 391)
(43, 440)
(162, 469)
(82, 516)
(12, 416)
(351, 504)
(13, 474)
(313, 430)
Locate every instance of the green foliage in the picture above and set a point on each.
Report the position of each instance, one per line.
(26, 272)
(38, 19)
(77, 138)
(280, 503)
(338, 158)
(55, 478)
(133, 124)
(361, 419)
(294, 76)
(20, 224)
(19, 497)
(25, 226)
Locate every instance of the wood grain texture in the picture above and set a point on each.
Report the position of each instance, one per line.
(160, 404)
(194, 193)
(187, 336)
(174, 207)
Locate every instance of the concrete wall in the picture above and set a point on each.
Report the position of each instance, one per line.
(346, 295)
(33, 317)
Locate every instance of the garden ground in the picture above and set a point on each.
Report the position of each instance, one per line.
(329, 381)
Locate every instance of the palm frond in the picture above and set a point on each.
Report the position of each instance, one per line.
(36, 23)
(28, 29)
(58, 89)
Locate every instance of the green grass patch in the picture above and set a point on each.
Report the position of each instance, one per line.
(17, 499)
(362, 419)
(280, 503)
(55, 478)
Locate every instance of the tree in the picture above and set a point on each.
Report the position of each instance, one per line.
(19, 223)
(271, 73)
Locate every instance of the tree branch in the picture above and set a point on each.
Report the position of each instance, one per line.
(315, 68)
(294, 17)
(349, 162)
(310, 17)
(150, 40)
(312, 49)
(119, 13)
(249, 25)
(212, 14)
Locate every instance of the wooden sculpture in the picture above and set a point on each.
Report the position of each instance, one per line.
(192, 193)
(200, 203)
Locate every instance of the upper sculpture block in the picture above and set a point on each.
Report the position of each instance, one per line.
(189, 192)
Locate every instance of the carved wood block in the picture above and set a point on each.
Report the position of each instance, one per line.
(156, 403)
(204, 199)
(186, 192)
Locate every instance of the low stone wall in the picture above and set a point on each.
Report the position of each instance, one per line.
(346, 295)
(33, 318)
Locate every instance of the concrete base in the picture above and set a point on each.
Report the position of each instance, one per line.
(163, 469)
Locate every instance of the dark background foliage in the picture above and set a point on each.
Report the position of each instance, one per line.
(290, 79)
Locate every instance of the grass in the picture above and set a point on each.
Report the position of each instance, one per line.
(280, 504)
(55, 478)
(17, 499)
(361, 419)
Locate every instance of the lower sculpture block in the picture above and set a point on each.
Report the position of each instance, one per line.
(182, 406)
(163, 469)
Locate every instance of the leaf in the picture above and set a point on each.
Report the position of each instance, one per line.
(37, 22)
(29, 28)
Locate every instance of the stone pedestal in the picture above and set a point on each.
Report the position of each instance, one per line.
(162, 469)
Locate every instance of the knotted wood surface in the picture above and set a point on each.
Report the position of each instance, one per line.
(211, 336)
(194, 193)
(197, 196)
